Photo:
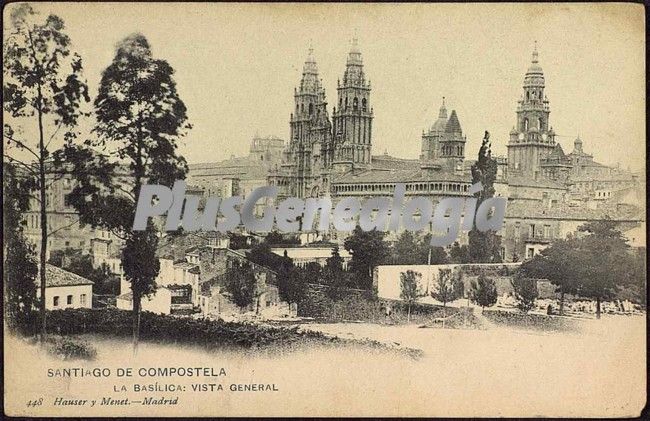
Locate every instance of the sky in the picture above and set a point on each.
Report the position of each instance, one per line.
(236, 66)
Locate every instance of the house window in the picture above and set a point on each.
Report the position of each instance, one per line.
(69, 299)
(531, 230)
(55, 301)
(547, 231)
(82, 299)
(531, 253)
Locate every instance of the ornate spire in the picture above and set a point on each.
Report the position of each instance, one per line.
(443, 109)
(310, 81)
(354, 75)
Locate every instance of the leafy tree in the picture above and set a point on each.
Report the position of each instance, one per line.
(140, 119)
(525, 292)
(291, 285)
(19, 268)
(484, 247)
(458, 253)
(558, 263)
(262, 255)
(483, 291)
(312, 272)
(447, 287)
(410, 289)
(43, 88)
(404, 250)
(411, 249)
(333, 274)
(605, 261)
(368, 250)
(430, 255)
(241, 284)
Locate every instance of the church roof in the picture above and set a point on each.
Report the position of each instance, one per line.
(557, 152)
(453, 125)
(388, 162)
(542, 182)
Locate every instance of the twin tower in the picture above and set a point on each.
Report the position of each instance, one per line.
(320, 147)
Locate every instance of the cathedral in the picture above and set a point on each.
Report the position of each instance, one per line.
(333, 155)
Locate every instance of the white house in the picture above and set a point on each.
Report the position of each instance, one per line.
(159, 302)
(65, 289)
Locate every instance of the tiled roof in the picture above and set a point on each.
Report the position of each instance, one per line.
(453, 125)
(57, 277)
(522, 181)
(388, 162)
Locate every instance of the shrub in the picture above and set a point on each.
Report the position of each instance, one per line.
(68, 348)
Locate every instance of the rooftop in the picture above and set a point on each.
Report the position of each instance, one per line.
(57, 277)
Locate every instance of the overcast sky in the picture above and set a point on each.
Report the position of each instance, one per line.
(237, 65)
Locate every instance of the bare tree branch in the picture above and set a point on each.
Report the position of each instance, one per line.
(21, 145)
(23, 164)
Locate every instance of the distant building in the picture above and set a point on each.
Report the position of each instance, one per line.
(159, 302)
(302, 256)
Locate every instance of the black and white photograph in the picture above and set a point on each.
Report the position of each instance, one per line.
(324, 209)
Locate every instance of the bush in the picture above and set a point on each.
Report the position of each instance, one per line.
(68, 348)
(530, 321)
(211, 334)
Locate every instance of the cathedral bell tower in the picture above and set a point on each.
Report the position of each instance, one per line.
(532, 139)
(310, 128)
(352, 117)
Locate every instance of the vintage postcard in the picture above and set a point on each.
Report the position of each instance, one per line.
(345, 210)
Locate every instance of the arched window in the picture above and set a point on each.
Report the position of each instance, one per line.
(340, 102)
(540, 123)
(364, 105)
(302, 108)
(525, 124)
(311, 109)
(355, 103)
(527, 94)
(346, 102)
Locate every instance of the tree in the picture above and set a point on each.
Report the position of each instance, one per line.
(525, 292)
(334, 276)
(410, 289)
(484, 247)
(262, 255)
(43, 87)
(368, 250)
(404, 250)
(241, 284)
(291, 286)
(19, 268)
(483, 291)
(140, 118)
(448, 288)
(605, 261)
(558, 263)
(411, 249)
(458, 253)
